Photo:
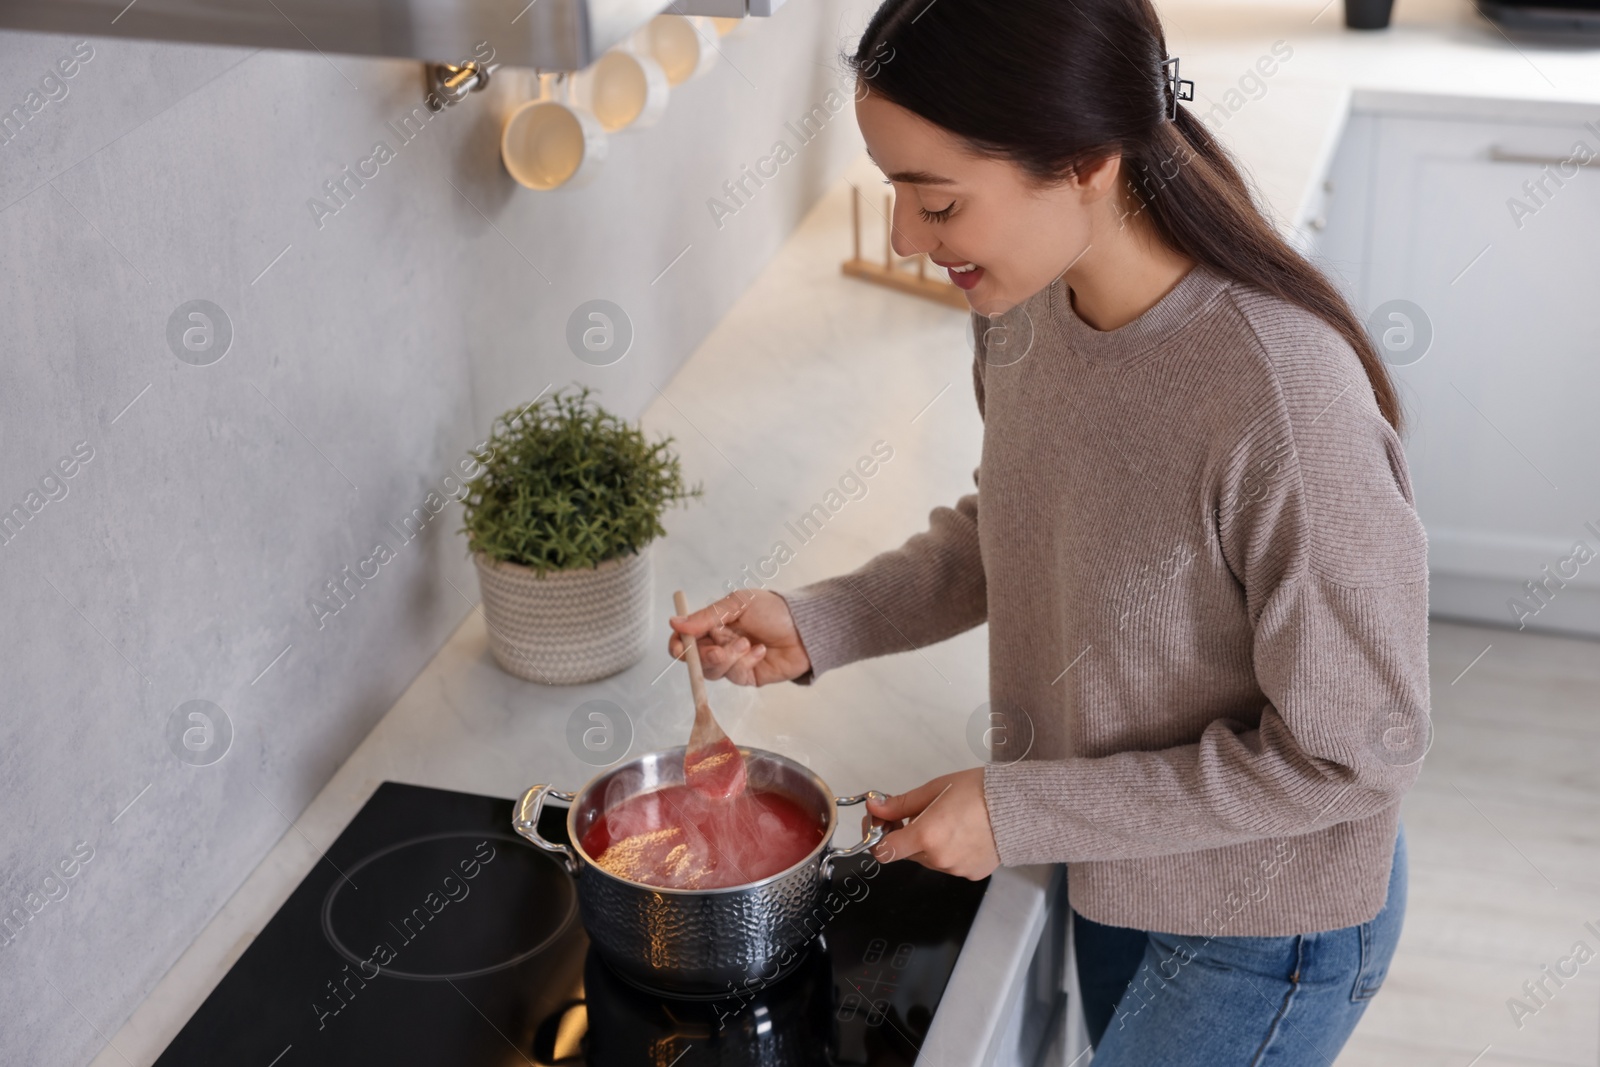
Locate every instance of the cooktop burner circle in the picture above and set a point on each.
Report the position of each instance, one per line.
(448, 906)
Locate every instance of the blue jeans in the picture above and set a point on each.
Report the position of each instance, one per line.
(1151, 998)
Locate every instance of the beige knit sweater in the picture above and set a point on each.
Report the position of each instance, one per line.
(1206, 589)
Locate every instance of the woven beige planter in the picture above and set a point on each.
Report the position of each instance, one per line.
(568, 626)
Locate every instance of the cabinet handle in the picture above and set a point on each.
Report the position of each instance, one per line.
(1500, 155)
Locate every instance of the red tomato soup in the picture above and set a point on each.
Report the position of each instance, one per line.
(676, 837)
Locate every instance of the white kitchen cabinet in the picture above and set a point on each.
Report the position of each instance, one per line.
(1012, 998)
(1503, 406)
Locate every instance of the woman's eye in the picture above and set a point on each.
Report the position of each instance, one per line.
(937, 216)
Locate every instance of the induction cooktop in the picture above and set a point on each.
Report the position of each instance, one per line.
(431, 934)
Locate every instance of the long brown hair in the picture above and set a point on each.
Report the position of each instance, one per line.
(1058, 85)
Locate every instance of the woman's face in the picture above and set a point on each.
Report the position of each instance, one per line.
(967, 210)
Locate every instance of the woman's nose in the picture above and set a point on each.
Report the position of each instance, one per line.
(902, 244)
(905, 231)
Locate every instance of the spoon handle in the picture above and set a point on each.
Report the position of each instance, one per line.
(697, 678)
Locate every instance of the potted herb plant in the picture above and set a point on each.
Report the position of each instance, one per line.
(559, 523)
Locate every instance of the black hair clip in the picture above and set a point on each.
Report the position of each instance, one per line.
(1179, 88)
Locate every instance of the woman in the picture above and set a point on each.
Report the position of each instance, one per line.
(1194, 542)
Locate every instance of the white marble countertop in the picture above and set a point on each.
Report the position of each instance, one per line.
(801, 378)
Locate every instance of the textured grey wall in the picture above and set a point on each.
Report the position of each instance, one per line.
(168, 515)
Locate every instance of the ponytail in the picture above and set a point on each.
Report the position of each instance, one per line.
(1201, 206)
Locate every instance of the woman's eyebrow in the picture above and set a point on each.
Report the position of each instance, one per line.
(919, 177)
(912, 177)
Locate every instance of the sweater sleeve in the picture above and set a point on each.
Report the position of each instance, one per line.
(928, 589)
(1313, 515)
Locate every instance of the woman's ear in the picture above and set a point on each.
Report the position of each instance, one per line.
(1098, 179)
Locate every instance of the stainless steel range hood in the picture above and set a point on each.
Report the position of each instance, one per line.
(550, 34)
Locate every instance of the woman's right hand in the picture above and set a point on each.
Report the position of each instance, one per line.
(748, 637)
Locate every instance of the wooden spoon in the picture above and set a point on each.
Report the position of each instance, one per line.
(712, 764)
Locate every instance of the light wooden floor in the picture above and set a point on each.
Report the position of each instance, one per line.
(1504, 835)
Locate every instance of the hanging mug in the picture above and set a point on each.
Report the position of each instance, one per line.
(624, 90)
(684, 45)
(733, 29)
(551, 142)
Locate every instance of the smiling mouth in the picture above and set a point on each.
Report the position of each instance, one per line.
(963, 275)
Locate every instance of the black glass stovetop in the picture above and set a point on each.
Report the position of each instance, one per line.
(431, 935)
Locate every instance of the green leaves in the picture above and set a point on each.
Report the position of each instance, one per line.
(566, 484)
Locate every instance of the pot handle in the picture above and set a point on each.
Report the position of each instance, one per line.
(873, 835)
(525, 821)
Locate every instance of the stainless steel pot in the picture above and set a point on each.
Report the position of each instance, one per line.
(700, 943)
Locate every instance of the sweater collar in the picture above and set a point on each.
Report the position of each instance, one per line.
(1181, 303)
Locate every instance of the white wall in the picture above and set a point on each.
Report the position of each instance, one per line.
(217, 500)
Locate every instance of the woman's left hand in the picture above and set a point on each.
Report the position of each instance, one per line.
(943, 825)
